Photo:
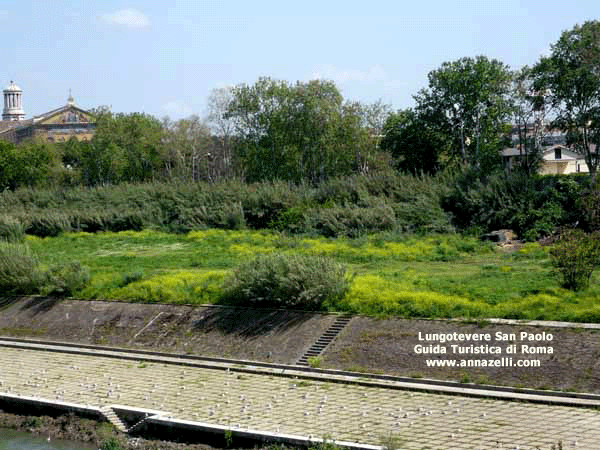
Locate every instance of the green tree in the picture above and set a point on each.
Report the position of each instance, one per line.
(467, 100)
(33, 163)
(8, 166)
(570, 77)
(415, 146)
(102, 164)
(295, 132)
(129, 146)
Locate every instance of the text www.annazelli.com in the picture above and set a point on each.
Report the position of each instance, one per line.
(499, 362)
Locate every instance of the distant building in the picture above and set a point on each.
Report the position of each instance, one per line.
(558, 158)
(54, 126)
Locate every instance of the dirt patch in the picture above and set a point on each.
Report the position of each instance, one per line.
(388, 346)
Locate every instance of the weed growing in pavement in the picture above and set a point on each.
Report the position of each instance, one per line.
(314, 362)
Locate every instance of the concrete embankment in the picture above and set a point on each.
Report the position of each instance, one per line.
(271, 403)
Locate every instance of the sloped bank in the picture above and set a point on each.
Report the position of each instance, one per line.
(279, 336)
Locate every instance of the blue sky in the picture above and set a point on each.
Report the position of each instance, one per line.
(164, 58)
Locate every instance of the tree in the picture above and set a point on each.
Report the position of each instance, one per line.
(222, 128)
(467, 100)
(529, 112)
(414, 144)
(297, 132)
(32, 163)
(570, 76)
(9, 171)
(374, 116)
(128, 147)
(188, 145)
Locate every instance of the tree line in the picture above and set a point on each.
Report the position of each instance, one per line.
(306, 132)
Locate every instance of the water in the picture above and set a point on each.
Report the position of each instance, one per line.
(18, 440)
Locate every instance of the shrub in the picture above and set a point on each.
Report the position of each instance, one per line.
(352, 221)
(590, 202)
(65, 279)
(287, 281)
(18, 269)
(530, 205)
(49, 225)
(111, 444)
(575, 256)
(11, 229)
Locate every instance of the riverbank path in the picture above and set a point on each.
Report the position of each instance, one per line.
(283, 402)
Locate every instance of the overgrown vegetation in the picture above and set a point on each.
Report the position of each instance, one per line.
(11, 229)
(20, 271)
(392, 274)
(533, 206)
(576, 255)
(340, 207)
(287, 281)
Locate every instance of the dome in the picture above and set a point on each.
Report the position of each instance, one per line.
(12, 87)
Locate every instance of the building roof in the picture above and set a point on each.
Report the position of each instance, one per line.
(12, 87)
(6, 125)
(573, 154)
(53, 112)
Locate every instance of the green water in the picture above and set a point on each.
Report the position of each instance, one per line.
(17, 440)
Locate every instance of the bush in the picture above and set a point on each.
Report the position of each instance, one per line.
(575, 257)
(49, 225)
(590, 202)
(532, 206)
(65, 279)
(352, 221)
(11, 229)
(287, 281)
(18, 269)
(111, 444)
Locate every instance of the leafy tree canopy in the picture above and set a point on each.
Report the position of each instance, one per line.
(570, 79)
(301, 131)
(415, 146)
(467, 101)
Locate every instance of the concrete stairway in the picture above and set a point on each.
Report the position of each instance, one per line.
(321, 344)
(114, 419)
(139, 423)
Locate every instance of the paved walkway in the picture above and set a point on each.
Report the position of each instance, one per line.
(347, 412)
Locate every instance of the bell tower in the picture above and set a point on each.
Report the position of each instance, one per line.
(13, 108)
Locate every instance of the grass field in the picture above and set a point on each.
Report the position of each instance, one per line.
(434, 276)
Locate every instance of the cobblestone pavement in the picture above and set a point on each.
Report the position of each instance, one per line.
(347, 412)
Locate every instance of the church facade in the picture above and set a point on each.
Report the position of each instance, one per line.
(54, 126)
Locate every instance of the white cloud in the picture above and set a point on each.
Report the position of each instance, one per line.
(130, 18)
(177, 108)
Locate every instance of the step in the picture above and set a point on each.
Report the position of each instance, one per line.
(316, 349)
(114, 419)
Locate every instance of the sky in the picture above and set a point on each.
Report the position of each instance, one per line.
(165, 57)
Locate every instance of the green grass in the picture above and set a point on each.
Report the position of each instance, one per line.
(434, 276)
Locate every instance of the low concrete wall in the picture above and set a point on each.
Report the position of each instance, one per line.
(42, 407)
(157, 424)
